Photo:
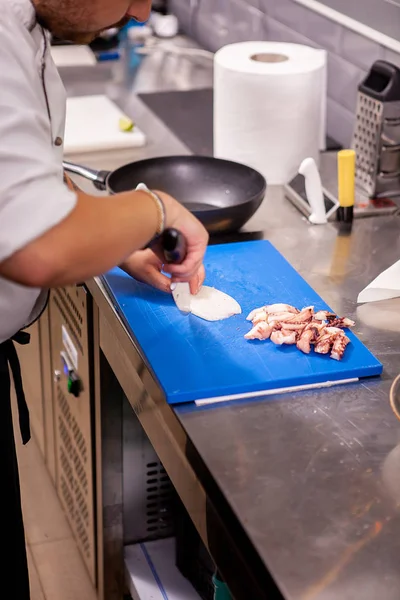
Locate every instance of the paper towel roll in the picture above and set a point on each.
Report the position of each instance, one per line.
(269, 106)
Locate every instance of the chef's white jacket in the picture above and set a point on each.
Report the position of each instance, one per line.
(33, 197)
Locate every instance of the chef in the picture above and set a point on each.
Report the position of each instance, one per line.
(50, 233)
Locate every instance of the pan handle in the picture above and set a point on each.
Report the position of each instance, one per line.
(98, 178)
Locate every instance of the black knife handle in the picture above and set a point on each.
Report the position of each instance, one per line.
(174, 246)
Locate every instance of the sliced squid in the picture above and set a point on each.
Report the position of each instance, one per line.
(284, 324)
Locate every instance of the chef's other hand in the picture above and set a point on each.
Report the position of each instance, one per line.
(196, 236)
(147, 267)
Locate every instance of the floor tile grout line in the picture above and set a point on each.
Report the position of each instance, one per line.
(37, 572)
(54, 540)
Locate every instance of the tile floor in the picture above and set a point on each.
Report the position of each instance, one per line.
(56, 569)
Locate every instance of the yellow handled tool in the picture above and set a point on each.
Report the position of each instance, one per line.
(346, 184)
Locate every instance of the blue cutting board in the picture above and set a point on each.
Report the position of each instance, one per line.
(195, 359)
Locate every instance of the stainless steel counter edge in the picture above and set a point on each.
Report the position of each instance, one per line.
(219, 529)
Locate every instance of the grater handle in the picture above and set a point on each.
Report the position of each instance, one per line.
(382, 82)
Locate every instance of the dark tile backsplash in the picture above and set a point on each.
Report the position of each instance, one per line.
(214, 23)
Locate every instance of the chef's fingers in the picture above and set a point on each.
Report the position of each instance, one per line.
(190, 266)
(197, 281)
(159, 281)
(184, 274)
(181, 274)
(152, 276)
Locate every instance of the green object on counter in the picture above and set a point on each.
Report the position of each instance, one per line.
(221, 590)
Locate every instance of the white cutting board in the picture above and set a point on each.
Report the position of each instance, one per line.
(92, 125)
(73, 56)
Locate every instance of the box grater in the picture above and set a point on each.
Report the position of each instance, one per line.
(376, 138)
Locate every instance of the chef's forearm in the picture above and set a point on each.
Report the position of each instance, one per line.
(97, 235)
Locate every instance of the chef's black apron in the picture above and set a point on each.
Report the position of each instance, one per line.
(14, 567)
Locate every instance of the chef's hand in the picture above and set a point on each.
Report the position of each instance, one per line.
(146, 266)
(196, 236)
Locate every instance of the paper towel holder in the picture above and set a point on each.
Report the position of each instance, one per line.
(269, 57)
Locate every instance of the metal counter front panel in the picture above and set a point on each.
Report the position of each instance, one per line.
(73, 418)
(194, 359)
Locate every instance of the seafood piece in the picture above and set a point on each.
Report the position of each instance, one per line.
(292, 326)
(326, 339)
(339, 346)
(333, 331)
(276, 308)
(342, 323)
(324, 315)
(324, 345)
(259, 317)
(283, 337)
(285, 324)
(254, 312)
(306, 338)
(283, 317)
(334, 320)
(211, 304)
(317, 326)
(260, 314)
(303, 316)
(261, 331)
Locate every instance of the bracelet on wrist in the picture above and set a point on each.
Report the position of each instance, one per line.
(161, 212)
(160, 209)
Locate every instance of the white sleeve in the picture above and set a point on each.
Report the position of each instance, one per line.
(33, 196)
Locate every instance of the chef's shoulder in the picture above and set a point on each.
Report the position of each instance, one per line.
(33, 198)
(19, 40)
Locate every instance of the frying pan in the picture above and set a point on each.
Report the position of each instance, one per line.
(222, 194)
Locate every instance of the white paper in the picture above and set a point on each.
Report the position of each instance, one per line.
(384, 287)
(269, 115)
(151, 573)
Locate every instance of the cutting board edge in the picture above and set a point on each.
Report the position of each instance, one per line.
(187, 397)
(374, 367)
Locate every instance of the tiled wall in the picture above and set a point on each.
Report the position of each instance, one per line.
(215, 23)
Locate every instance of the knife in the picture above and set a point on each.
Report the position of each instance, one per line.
(174, 247)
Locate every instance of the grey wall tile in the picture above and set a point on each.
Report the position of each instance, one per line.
(211, 36)
(183, 9)
(391, 56)
(244, 22)
(292, 15)
(343, 81)
(211, 26)
(219, 23)
(340, 123)
(276, 32)
(325, 32)
(267, 6)
(360, 50)
(255, 3)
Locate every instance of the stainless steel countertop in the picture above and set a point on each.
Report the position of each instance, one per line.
(313, 477)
